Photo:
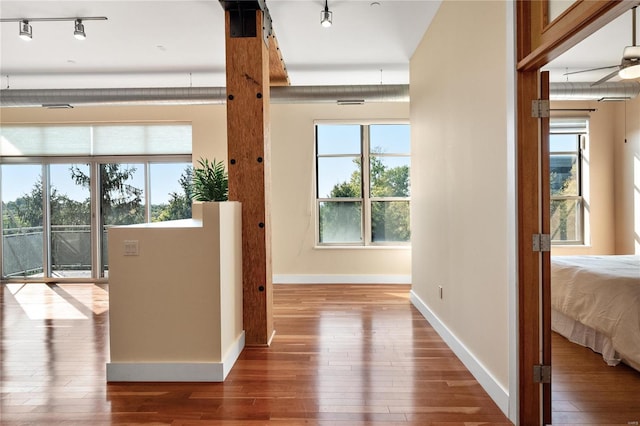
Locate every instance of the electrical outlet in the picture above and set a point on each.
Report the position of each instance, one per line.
(131, 247)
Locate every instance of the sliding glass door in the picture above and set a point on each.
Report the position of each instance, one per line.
(22, 220)
(122, 200)
(56, 216)
(70, 220)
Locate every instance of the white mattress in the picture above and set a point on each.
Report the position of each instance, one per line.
(601, 293)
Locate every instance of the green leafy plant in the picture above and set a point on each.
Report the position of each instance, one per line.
(210, 181)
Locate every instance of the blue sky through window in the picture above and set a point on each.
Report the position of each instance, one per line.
(18, 180)
(344, 142)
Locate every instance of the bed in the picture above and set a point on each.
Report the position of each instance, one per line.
(595, 302)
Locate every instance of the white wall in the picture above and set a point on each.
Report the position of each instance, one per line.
(292, 138)
(627, 177)
(462, 177)
(295, 256)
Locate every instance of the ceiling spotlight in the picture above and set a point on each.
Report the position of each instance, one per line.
(78, 32)
(326, 15)
(25, 30)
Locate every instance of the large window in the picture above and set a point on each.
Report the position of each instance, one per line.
(567, 141)
(363, 184)
(62, 187)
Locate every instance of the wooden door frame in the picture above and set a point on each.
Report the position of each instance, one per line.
(538, 42)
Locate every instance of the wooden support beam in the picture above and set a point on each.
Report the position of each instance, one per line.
(277, 69)
(249, 165)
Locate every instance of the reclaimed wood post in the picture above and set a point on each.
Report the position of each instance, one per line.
(247, 58)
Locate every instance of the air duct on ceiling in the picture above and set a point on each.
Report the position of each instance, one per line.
(202, 95)
(156, 95)
(612, 91)
(344, 95)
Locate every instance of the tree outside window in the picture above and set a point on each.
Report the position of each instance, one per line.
(356, 208)
(565, 179)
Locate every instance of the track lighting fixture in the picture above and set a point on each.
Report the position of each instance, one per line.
(78, 32)
(26, 32)
(326, 15)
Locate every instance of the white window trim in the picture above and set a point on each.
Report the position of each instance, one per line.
(366, 206)
(583, 197)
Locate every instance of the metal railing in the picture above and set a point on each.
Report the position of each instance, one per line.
(22, 250)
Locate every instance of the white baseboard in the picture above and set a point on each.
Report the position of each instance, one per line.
(341, 279)
(230, 358)
(495, 390)
(176, 371)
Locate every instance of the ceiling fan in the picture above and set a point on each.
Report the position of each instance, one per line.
(629, 67)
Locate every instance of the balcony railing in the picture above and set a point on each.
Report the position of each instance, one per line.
(22, 250)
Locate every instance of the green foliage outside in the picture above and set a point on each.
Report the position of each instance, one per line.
(121, 202)
(26, 211)
(340, 221)
(563, 212)
(179, 206)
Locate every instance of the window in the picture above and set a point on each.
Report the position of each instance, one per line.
(61, 187)
(363, 184)
(567, 140)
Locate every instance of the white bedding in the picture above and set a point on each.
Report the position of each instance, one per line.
(602, 293)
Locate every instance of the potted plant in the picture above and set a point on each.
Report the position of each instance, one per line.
(210, 181)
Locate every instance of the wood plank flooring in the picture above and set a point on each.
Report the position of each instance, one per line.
(342, 355)
(586, 391)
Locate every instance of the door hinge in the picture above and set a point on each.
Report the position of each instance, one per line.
(540, 108)
(542, 374)
(541, 242)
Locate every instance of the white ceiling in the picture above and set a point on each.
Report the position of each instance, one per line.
(180, 43)
(602, 49)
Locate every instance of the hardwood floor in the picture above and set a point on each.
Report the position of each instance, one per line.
(586, 391)
(342, 355)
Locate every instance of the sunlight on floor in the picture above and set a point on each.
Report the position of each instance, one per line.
(403, 295)
(93, 297)
(42, 301)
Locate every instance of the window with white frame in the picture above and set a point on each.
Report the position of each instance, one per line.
(567, 141)
(363, 184)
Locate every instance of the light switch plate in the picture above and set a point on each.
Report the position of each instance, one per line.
(131, 247)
